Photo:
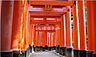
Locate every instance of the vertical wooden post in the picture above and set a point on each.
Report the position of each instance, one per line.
(91, 15)
(63, 31)
(26, 25)
(82, 28)
(63, 38)
(68, 28)
(6, 24)
(21, 25)
(54, 39)
(6, 27)
(45, 34)
(58, 35)
(0, 22)
(68, 32)
(43, 39)
(30, 35)
(40, 38)
(82, 25)
(75, 27)
(37, 36)
(50, 39)
(34, 35)
(75, 30)
(15, 26)
(58, 41)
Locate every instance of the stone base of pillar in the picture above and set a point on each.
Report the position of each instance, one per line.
(63, 51)
(7, 54)
(30, 48)
(34, 48)
(60, 52)
(76, 53)
(83, 53)
(24, 54)
(16, 53)
(94, 55)
(38, 48)
(27, 52)
(43, 48)
(90, 53)
(53, 47)
(49, 48)
(46, 47)
(69, 52)
(58, 48)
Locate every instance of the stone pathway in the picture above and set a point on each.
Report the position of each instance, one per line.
(46, 54)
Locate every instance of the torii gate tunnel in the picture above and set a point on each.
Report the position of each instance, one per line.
(39, 25)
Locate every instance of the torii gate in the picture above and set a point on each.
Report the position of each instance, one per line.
(15, 25)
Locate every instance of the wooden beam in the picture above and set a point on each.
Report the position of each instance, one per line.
(47, 30)
(56, 3)
(45, 22)
(42, 13)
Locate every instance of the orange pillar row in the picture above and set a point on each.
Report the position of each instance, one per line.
(68, 27)
(6, 25)
(82, 25)
(91, 15)
(75, 27)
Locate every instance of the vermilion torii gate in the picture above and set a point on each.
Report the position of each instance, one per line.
(18, 29)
